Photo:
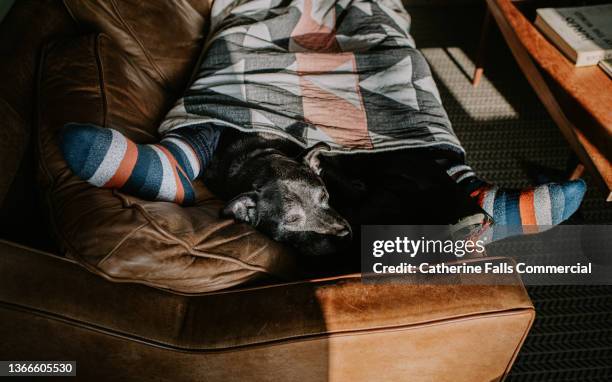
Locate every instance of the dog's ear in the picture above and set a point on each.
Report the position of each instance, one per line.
(242, 208)
(311, 158)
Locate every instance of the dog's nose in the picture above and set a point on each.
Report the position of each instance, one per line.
(344, 231)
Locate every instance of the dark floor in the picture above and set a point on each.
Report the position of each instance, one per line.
(511, 140)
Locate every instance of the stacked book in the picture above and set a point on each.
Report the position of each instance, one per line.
(584, 34)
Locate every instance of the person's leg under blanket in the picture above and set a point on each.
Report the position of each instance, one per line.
(163, 171)
(545, 205)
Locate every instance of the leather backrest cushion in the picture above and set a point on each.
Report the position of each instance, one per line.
(188, 249)
(13, 140)
(22, 33)
(163, 37)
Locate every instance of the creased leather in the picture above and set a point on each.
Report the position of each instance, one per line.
(27, 26)
(337, 329)
(87, 79)
(13, 140)
(163, 37)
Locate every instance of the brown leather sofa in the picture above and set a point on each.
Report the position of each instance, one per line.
(124, 286)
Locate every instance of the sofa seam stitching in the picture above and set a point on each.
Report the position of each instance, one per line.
(195, 252)
(76, 21)
(140, 44)
(519, 345)
(70, 249)
(101, 83)
(120, 243)
(43, 164)
(75, 322)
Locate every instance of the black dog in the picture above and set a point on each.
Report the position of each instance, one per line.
(275, 187)
(283, 191)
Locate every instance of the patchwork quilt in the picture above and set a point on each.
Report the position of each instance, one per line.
(344, 72)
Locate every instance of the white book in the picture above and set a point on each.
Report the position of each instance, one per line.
(606, 66)
(584, 34)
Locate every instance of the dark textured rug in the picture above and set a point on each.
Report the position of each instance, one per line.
(571, 339)
(511, 140)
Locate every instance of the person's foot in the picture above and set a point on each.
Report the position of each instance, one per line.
(529, 210)
(106, 158)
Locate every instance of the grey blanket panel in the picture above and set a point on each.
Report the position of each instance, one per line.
(342, 72)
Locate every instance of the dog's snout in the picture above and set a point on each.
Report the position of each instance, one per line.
(344, 231)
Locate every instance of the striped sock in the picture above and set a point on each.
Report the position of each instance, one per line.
(524, 211)
(164, 171)
(465, 176)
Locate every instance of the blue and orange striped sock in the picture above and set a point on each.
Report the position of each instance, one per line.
(164, 171)
(522, 211)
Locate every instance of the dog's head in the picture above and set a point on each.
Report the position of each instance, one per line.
(290, 203)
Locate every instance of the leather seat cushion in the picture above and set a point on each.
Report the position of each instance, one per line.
(89, 79)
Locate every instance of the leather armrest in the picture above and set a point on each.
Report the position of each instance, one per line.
(59, 287)
(335, 329)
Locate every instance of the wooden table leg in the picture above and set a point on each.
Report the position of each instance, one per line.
(573, 136)
(482, 45)
(578, 171)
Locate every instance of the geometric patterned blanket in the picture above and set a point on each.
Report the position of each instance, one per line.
(344, 72)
